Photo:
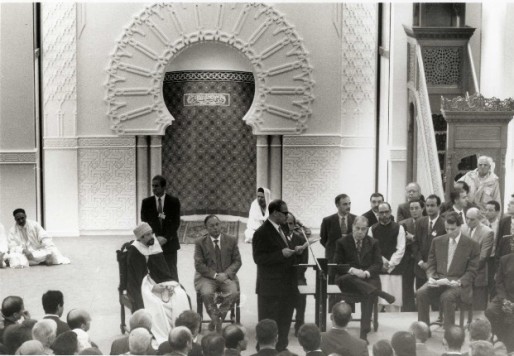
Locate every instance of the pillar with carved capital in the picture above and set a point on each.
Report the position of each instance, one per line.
(262, 161)
(142, 172)
(155, 155)
(275, 167)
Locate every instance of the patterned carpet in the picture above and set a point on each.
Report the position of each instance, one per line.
(190, 231)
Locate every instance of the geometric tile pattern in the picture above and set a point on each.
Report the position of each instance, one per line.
(209, 153)
(443, 65)
(107, 185)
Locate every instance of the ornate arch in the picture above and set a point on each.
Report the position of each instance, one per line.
(283, 74)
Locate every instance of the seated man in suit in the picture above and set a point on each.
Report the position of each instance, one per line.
(459, 200)
(150, 284)
(140, 319)
(453, 340)
(266, 333)
(500, 311)
(53, 304)
(452, 265)
(427, 228)
(337, 340)
(361, 256)
(372, 214)
(217, 261)
(412, 192)
(484, 236)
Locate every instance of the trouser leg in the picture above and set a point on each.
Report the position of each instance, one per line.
(285, 315)
(207, 291)
(424, 297)
(449, 299)
(229, 291)
(408, 287)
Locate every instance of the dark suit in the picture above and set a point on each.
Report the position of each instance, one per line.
(372, 219)
(165, 348)
(403, 211)
(266, 352)
(421, 245)
(408, 261)
(205, 266)
(276, 286)
(484, 236)
(166, 228)
(463, 268)
(340, 342)
(504, 291)
(330, 232)
(503, 244)
(315, 353)
(61, 325)
(370, 259)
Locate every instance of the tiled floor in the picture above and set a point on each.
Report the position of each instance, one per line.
(91, 282)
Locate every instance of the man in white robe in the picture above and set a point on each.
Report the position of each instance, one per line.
(28, 240)
(150, 284)
(258, 213)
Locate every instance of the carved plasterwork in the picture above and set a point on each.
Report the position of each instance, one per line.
(291, 141)
(58, 143)
(477, 102)
(359, 61)
(312, 178)
(18, 157)
(281, 66)
(59, 68)
(107, 189)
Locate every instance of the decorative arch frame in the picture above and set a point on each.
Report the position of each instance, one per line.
(281, 67)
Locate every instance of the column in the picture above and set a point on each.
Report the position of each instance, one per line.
(262, 161)
(155, 155)
(275, 167)
(142, 172)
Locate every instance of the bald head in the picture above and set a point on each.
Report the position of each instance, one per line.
(413, 191)
(180, 339)
(341, 314)
(420, 331)
(140, 341)
(31, 347)
(141, 319)
(79, 319)
(45, 331)
(473, 217)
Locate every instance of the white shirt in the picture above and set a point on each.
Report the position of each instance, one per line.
(457, 239)
(433, 221)
(216, 238)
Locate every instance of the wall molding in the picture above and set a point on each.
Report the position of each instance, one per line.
(329, 140)
(60, 143)
(18, 157)
(162, 31)
(106, 142)
(398, 154)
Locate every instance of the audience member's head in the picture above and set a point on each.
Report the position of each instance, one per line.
(91, 351)
(53, 302)
(492, 209)
(403, 343)
(15, 335)
(420, 330)
(45, 331)
(20, 216)
(31, 347)
(190, 320)
(412, 191)
(341, 314)
(454, 337)
(66, 344)
(309, 337)
(140, 341)
(480, 329)
(461, 185)
(141, 319)
(213, 344)
(83, 339)
(13, 308)
(266, 333)
(79, 319)
(180, 339)
(235, 337)
(481, 348)
(382, 348)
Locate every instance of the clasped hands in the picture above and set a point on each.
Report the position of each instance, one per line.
(221, 277)
(358, 273)
(442, 282)
(298, 250)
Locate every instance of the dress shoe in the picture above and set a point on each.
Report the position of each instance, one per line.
(388, 297)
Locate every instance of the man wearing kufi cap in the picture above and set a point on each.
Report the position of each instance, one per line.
(150, 284)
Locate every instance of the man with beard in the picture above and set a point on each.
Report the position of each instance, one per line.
(372, 214)
(258, 213)
(150, 284)
(391, 238)
(361, 256)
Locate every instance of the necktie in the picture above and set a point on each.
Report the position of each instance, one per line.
(461, 218)
(359, 246)
(431, 226)
(217, 253)
(451, 251)
(344, 227)
(159, 209)
(282, 236)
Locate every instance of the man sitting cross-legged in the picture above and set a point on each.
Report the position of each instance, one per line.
(361, 256)
(217, 260)
(150, 284)
(452, 266)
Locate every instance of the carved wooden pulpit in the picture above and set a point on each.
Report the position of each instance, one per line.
(476, 126)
